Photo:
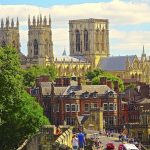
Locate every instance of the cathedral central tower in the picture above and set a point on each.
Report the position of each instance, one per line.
(89, 38)
(40, 46)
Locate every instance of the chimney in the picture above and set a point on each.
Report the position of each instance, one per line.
(37, 82)
(44, 78)
(79, 83)
(52, 89)
(109, 84)
(61, 81)
(116, 86)
(103, 81)
(68, 81)
(65, 81)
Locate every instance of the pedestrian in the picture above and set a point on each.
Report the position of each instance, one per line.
(75, 142)
(58, 131)
(82, 142)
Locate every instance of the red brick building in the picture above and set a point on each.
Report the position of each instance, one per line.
(66, 101)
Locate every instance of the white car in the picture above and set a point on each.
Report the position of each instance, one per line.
(127, 147)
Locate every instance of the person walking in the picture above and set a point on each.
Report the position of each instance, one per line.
(75, 142)
(81, 138)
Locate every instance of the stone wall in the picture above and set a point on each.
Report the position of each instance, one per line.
(47, 140)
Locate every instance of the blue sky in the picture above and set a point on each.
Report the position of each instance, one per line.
(129, 21)
(47, 3)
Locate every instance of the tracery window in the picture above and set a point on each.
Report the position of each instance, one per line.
(35, 44)
(77, 40)
(86, 40)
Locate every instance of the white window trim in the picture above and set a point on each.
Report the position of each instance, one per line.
(104, 107)
(88, 107)
(112, 106)
(95, 95)
(86, 95)
(77, 107)
(66, 107)
(74, 107)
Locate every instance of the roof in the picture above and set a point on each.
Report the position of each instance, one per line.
(100, 89)
(116, 63)
(46, 89)
(145, 101)
(70, 58)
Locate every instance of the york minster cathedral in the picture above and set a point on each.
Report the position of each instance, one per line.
(89, 48)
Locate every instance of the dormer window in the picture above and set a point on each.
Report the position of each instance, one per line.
(72, 94)
(110, 93)
(95, 95)
(86, 94)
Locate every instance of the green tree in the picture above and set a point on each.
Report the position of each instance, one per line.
(96, 74)
(33, 72)
(20, 115)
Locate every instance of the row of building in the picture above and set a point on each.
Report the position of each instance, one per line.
(69, 102)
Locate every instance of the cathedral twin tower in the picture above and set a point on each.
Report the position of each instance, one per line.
(89, 43)
(40, 46)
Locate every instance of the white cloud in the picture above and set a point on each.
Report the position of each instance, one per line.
(118, 12)
(129, 42)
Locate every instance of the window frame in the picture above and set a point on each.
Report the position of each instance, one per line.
(66, 105)
(105, 107)
(87, 107)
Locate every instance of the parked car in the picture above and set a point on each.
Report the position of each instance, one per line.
(127, 147)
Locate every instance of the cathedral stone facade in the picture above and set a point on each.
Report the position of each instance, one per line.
(40, 45)
(89, 38)
(9, 35)
(89, 48)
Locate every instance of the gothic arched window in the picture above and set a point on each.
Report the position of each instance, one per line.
(3, 43)
(77, 40)
(86, 40)
(35, 44)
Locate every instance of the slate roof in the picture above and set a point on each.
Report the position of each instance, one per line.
(100, 89)
(46, 89)
(145, 101)
(69, 59)
(115, 63)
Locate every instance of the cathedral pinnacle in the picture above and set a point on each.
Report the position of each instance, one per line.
(143, 54)
(45, 21)
(17, 24)
(64, 53)
(40, 19)
(29, 22)
(7, 22)
(34, 22)
(2, 23)
(49, 20)
(12, 23)
(143, 50)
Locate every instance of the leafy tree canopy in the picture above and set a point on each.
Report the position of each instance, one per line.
(96, 74)
(33, 72)
(20, 115)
